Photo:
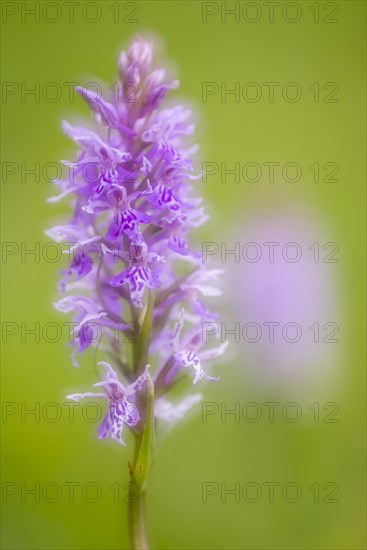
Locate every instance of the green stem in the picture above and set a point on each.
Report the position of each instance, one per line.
(136, 516)
(138, 537)
(144, 439)
(141, 346)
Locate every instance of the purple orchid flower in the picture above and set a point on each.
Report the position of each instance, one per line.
(138, 275)
(134, 202)
(187, 353)
(126, 219)
(122, 408)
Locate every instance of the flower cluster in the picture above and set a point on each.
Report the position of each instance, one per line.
(133, 208)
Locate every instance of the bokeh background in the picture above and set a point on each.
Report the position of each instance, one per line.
(224, 449)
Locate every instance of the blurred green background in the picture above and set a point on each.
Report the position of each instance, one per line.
(230, 452)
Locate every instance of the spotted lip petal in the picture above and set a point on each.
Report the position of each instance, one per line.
(127, 222)
(121, 410)
(137, 275)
